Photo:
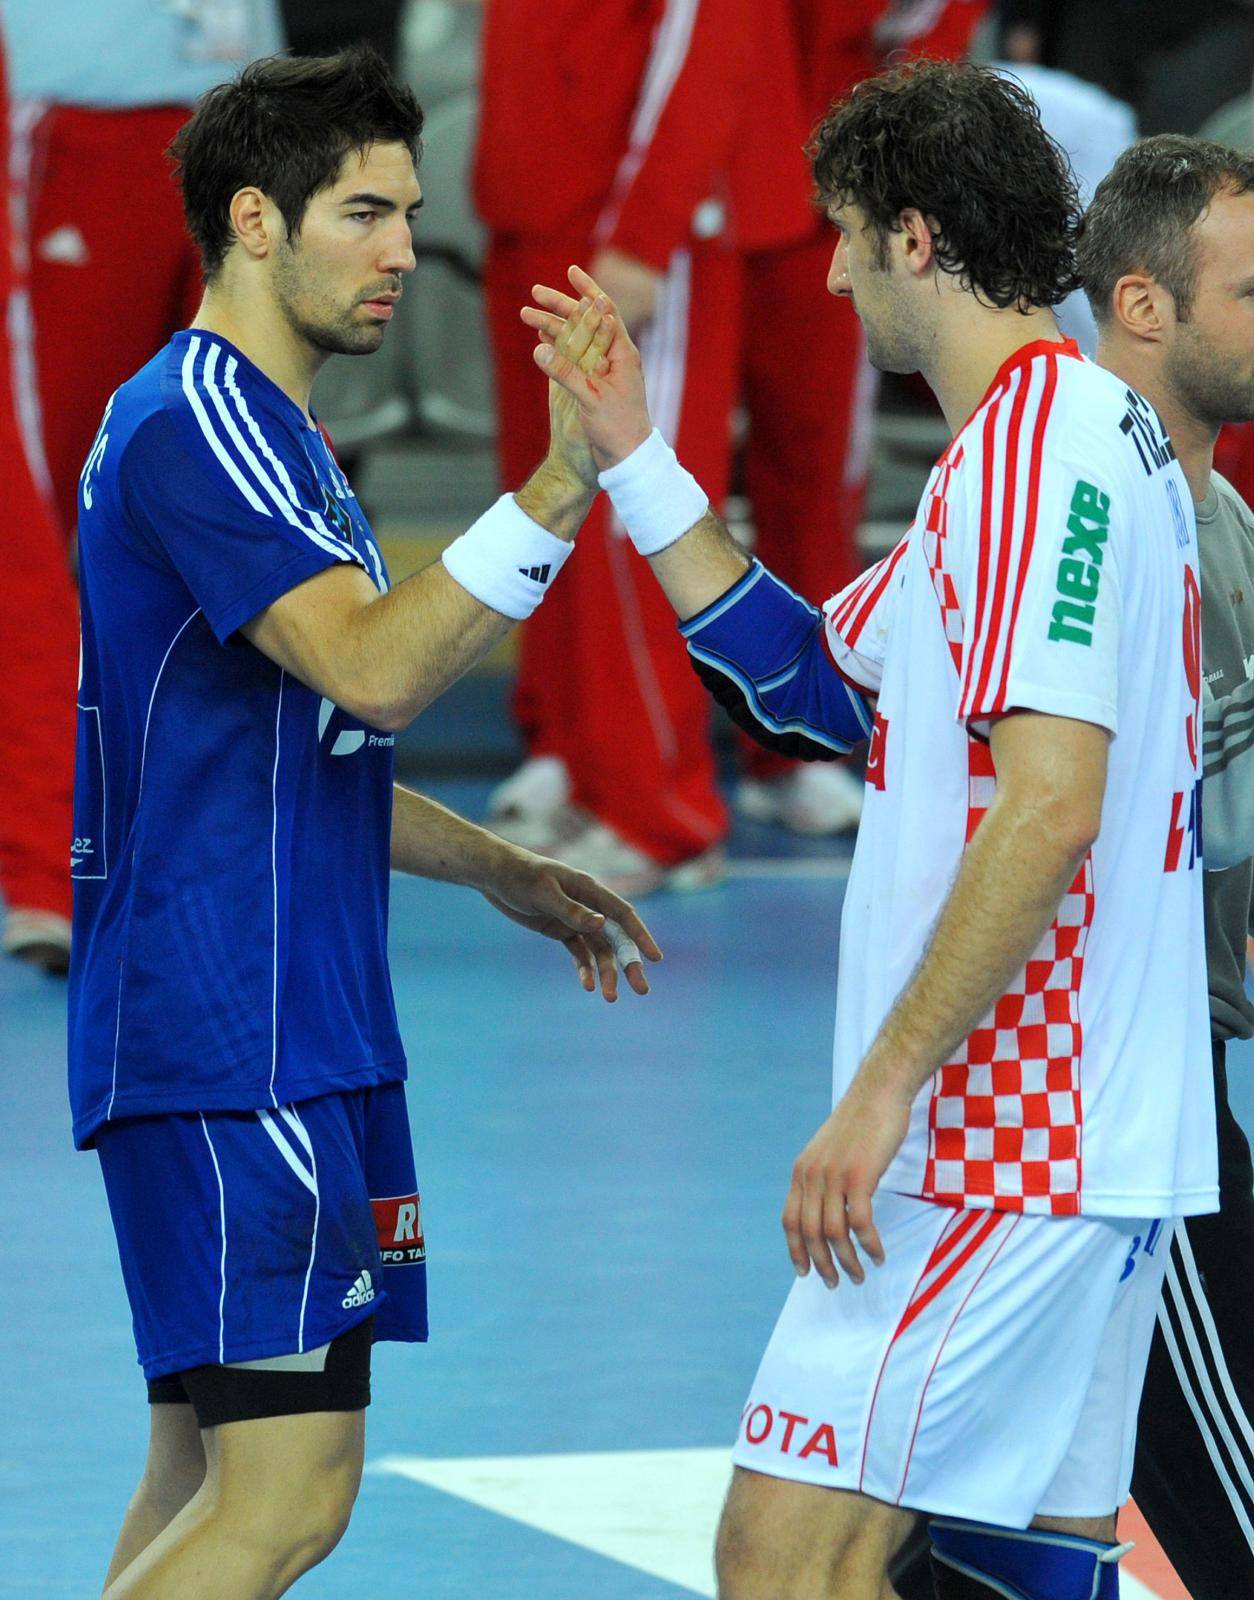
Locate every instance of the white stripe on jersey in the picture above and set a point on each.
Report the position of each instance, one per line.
(274, 881)
(320, 533)
(139, 794)
(1016, 420)
(266, 1119)
(206, 427)
(324, 540)
(983, 634)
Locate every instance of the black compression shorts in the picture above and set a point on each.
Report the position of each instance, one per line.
(244, 1393)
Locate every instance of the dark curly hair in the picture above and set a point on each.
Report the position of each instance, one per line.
(1143, 212)
(964, 146)
(285, 125)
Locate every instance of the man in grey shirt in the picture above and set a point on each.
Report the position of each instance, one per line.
(1167, 259)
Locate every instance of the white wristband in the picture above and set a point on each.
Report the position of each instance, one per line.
(506, 560)
(656, 499)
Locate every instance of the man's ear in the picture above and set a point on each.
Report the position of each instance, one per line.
(252, 221)
(1140, 306)
(919, 238)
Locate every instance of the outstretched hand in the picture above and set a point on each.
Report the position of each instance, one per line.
(601, 930)
(588, 354)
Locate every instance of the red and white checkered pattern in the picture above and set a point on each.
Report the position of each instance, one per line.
(1004, 1125)
(935, 532)
(1084, 1088)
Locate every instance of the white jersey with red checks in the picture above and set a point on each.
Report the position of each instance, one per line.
(1051, 567)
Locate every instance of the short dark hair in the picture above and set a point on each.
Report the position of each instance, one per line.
(285, 125)
(965, 146)
(1143, 212)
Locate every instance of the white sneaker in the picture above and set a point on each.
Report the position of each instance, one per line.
(816, 798)
(526, 809)
(40, 937)
(605, 855)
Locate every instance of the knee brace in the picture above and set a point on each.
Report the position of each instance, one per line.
(972, 1561)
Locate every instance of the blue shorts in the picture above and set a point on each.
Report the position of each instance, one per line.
(246, 1234)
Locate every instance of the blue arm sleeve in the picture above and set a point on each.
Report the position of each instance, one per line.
(759, 651)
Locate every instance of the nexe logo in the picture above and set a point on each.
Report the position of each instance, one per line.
(1080, 570)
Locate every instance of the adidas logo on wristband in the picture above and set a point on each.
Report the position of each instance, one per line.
(505, 560)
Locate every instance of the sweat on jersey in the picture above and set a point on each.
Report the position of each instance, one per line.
(1052, 566)
(231, 827)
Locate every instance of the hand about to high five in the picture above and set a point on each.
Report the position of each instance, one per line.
(583, 340)
(587, 353)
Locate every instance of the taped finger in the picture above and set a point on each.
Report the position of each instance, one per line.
(626, 950)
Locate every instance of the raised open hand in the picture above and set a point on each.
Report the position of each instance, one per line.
(581, 339)
(587, 352)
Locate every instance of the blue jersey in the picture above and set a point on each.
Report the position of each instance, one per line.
(231, 827)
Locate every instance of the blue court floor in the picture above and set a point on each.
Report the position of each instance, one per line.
(601, 1187)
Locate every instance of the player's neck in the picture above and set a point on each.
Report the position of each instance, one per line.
(1192, 439)
(972, 343)
(260, 332)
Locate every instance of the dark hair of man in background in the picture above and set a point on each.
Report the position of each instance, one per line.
(1142, 213)
(964, 146)
(285, 126)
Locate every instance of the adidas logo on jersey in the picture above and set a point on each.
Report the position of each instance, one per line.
(537, 574)
(361, 1294)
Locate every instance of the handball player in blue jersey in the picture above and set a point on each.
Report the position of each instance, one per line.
(234, 1051)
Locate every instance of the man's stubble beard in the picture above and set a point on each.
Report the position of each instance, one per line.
(1209, 384)
(316, 317)
(890, 353)
(893, 341)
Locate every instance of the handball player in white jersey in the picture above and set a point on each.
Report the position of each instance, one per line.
(1023, 1101)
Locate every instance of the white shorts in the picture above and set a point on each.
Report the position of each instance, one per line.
(991, 1369)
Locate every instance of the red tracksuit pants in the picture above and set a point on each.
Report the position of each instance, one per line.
(810, 397)
(604, 680)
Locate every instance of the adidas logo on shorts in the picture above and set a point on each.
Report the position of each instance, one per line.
(361, 1294)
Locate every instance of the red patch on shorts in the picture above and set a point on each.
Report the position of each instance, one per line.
(398, 1222)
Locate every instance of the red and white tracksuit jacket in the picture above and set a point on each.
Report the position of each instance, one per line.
(673, 130)
(807, 387)
(617, 123)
